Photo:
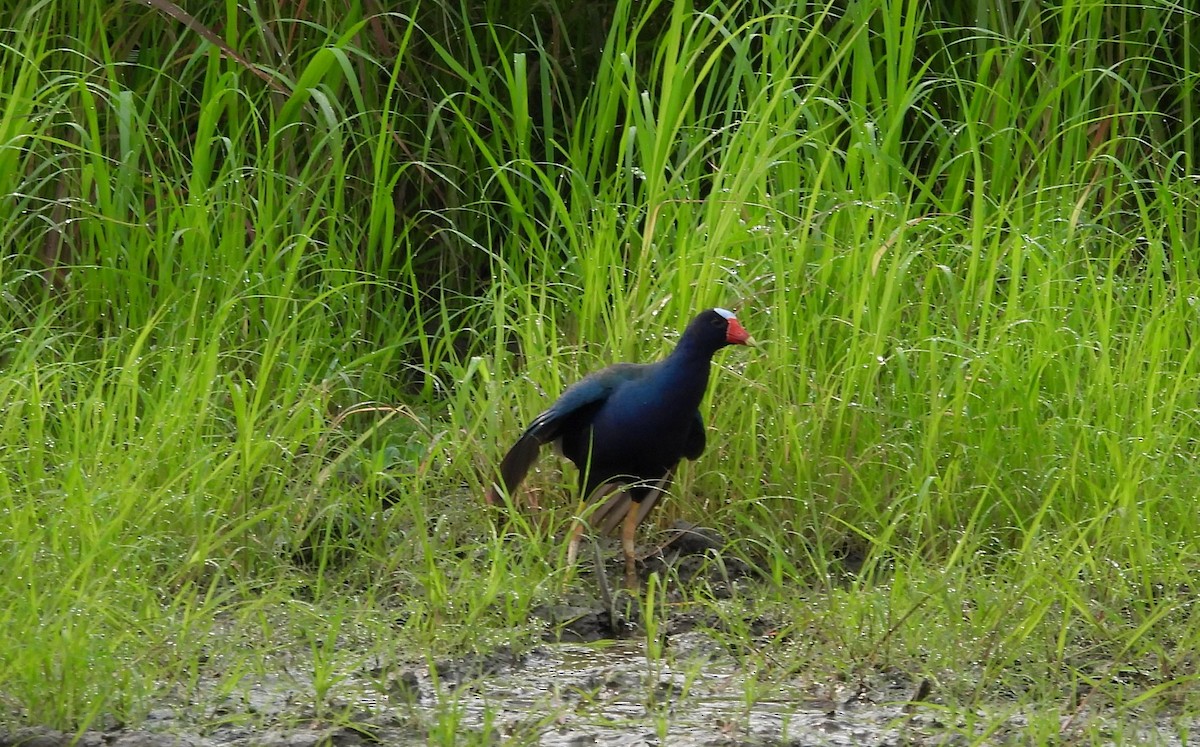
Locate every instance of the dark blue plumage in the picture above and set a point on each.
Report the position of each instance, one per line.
(630, 424)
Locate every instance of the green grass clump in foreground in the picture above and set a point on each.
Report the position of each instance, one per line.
(969, 244)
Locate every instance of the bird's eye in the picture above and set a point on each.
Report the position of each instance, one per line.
(718, 322)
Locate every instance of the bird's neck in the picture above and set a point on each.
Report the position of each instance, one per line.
(689, 364)
(691, 353)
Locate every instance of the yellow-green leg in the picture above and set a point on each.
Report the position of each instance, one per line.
(573, 545)
(628, 530)
(577, 526)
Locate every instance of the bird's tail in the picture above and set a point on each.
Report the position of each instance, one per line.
(514, 467)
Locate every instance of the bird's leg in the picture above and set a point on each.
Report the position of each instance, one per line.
(628, 530)
(634, 516)
(577, 526)
(573, 547)
(654, 495)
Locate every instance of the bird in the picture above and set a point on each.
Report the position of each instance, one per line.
(626, 427)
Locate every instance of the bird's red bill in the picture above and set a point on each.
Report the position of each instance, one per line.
(736, 334)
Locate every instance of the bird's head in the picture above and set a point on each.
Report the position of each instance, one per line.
(716, 328)
(735, 333)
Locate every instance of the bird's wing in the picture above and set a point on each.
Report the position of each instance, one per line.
(575, 407)
(693, 447)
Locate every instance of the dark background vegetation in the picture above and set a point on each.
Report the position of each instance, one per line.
(420, 74)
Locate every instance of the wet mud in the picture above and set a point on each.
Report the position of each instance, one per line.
(558, 694)
(608, 694)
(597, 679)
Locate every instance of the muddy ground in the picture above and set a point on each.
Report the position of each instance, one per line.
(557, 694)
(591, 683)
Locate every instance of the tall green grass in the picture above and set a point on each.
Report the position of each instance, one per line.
(968, 241)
